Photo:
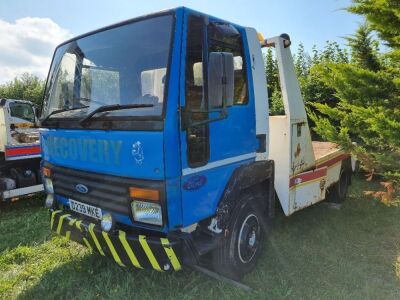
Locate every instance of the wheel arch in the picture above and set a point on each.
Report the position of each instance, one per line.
(255, 177)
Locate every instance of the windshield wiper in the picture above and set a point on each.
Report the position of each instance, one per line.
(112, 107)
(57, 111)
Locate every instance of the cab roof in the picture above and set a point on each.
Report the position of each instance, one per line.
(3, 101)
(151, 15)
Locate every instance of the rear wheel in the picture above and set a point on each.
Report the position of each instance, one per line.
(241, 248)
(338, 192)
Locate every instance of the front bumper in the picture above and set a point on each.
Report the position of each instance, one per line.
(139, 251)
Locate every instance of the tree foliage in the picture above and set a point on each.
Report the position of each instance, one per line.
(364, 50)
(26, 87)
(383, 16)
(354, 96)
(368, 92)
(312, 87)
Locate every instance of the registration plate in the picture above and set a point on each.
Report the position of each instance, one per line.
(85, 209)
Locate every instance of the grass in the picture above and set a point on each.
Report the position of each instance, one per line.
(318, 253)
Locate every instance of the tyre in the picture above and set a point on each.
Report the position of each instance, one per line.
(338, 192)
(241, 248)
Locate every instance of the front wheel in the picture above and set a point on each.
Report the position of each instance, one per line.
(240, 250)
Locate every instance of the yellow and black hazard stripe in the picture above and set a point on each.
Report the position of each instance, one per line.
(138, 251)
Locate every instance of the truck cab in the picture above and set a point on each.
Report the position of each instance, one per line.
(156, 142)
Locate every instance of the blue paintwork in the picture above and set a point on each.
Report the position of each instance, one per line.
(194, 182)
(231, 137)
(190, 198)
(235, 135)
(202, 203)
(152, 166)
(171, 132)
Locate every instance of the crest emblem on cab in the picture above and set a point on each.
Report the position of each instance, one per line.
(137, 152)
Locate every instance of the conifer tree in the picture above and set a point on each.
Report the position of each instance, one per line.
(274, 92)
(364, 50)
(271, 72)
(312, 87)
(302, 62)
(369, 93)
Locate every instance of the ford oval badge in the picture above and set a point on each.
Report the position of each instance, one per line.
(81, 188)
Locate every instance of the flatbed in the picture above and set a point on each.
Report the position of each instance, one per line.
(324, 151)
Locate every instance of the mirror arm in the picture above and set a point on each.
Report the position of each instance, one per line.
(187, 122)
(223, 115)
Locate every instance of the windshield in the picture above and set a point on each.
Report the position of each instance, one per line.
(22, 111)
(122, 65)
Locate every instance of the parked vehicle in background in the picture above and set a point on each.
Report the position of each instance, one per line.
(158, 148)
(19, 149)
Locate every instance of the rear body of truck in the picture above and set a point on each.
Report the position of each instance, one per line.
(160, 179)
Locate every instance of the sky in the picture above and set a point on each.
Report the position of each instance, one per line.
(30, 30)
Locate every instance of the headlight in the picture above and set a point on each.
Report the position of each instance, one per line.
(106, 222)
(49, 200)
(48, 184)
(147, 212)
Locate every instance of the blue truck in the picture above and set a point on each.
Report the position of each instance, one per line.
(158, 149)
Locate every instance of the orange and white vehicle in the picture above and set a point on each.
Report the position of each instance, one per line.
(306, 171)
(19, 149)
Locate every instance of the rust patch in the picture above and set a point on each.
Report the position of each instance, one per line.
(298, 150)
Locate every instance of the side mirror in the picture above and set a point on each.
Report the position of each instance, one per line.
(220, 79)
(36, 112)
(220, 90)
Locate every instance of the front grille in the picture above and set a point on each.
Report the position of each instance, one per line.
(104, 191)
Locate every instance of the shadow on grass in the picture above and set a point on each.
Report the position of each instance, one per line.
(320, 252)
(36, 200)
(93, 276)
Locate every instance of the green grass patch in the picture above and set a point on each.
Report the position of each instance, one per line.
(318, 253)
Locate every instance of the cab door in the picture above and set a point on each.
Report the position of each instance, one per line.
(211, 151)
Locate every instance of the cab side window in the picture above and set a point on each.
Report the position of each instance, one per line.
(197, 137)
(224, 37)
